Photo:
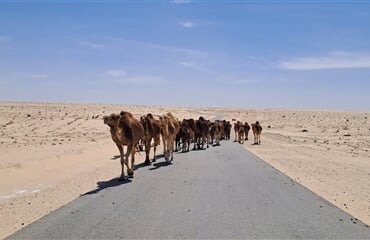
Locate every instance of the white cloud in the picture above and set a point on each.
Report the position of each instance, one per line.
(116, 73)
(38, 76)
(192, 65)
(180, 1)
(242, 81)
(140, 80)
(187, 24)
(90, 44)
(334, 60)
(179, 50)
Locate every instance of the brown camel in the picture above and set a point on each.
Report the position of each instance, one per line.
(125, 131)
(186, 135)
(257, 129)
(217, 132)
(236, 129)
(227, 129)
(241, 133)
(152, 130)
(169, 129)
(246, 128)
(202, 134)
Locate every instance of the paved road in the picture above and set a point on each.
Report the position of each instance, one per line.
(222, 192)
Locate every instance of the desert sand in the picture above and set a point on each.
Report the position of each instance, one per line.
(51, 153)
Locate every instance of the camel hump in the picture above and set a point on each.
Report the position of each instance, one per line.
(126, 114)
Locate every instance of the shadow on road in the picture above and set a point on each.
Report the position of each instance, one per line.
(107, 184)
(115, 157)
(159, 165)
(114, 182)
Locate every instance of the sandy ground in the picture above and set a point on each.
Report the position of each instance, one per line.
(52, 153)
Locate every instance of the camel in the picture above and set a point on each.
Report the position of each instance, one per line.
(125, 131)
(241, 134)
(227, 129)
(169, 129)
(152, 130)
(202, 134)
(246, 128)
(186, 134)
(217, 131)
(236, 129)
(257, 129)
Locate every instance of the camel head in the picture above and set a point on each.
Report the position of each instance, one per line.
(111, 120)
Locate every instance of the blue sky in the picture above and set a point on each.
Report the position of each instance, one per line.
(248, 54)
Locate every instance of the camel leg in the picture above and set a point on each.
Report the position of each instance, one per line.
(157, 141)
(120, 148)
(133, 152)
(147, 152)
(164, 147)
(172, 148)
(154, 149)
(130, 171)
(123, 168)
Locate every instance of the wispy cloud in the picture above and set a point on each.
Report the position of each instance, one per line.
(334, 60)
(38, 76)
(140, 80)
(180, 1)
(179, 50)
(187, 24)
(90, 44)
(115, 73)
(241, 81)
(192, 65)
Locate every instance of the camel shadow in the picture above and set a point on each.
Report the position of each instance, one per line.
(114, 182)
(140, 165)
(159, 156)
(160, 164)
(115, 157)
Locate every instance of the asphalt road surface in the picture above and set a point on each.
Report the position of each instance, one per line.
(222, 192)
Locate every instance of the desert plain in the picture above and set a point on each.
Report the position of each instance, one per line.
(51, 153)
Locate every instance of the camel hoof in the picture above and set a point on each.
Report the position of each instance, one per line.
(147, 162)
(122, 178)
(130, 173)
